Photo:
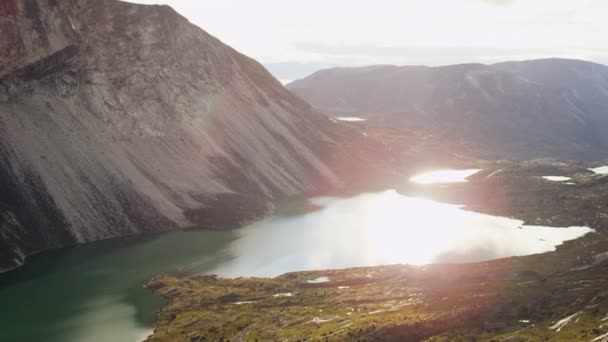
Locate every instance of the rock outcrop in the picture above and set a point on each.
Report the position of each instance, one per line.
(119, 119)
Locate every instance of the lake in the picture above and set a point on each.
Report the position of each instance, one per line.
(93, 292)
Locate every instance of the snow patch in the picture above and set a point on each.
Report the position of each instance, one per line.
(602, 338)
(322, 320)
(557, 178)
(283, 294)
(244, 302)
(318, 280)
(563, 322)
(575, 112)
(350, 119)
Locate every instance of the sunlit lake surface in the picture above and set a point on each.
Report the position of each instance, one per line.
(557, 178)
(444, 176)
(602, 170)
(93, 292)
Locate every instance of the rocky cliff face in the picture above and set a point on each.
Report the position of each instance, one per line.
(543, 108)
(117, 119)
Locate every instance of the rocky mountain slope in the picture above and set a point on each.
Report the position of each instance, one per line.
(542, 108)
(118, 119)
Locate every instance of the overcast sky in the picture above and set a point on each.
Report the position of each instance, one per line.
(295, 38)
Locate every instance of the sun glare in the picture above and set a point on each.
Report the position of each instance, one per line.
(380, 229)
(407, 215)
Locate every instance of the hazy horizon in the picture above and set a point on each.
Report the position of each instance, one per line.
(295, 39)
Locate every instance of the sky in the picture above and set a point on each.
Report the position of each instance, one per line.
(295, 38)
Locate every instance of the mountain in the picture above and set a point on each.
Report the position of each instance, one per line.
(515, 110)
(119, 119)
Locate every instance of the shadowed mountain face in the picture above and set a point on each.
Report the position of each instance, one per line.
(519, 110)
(119, 119)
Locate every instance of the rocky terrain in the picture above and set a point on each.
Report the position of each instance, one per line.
(118, 119)
(517, 110)
(555, 296)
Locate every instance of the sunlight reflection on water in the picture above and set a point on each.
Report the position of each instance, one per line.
(383, 228)
(93, 292)
(444, 176)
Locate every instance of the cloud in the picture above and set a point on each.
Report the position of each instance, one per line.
(294, 37)
(497, 2)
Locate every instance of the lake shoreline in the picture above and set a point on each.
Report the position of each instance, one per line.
(392, 302)
(549, 275)
(103, 279)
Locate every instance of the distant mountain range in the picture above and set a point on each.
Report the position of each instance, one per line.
(514, 110)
